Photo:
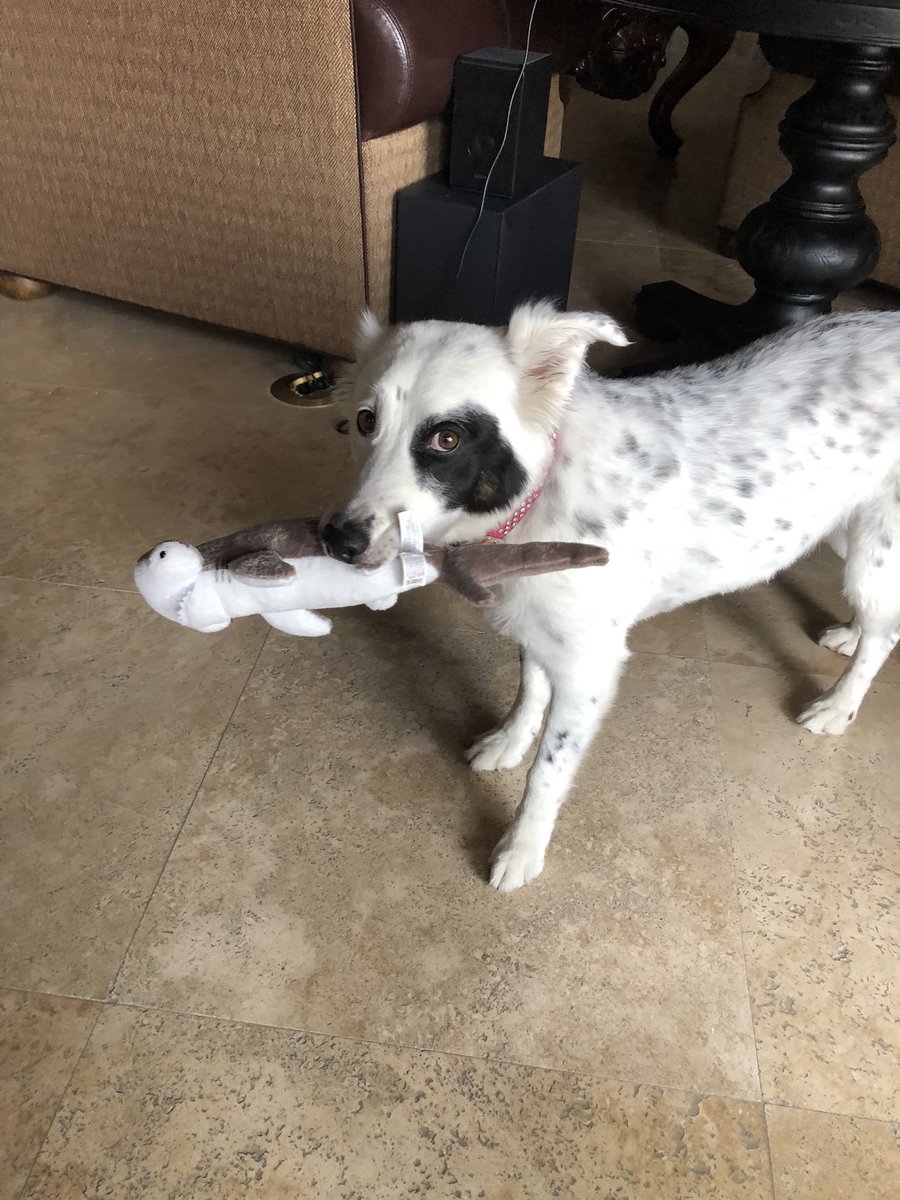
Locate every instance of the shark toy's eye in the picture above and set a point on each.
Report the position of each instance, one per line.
(162, 554)
(444, 440)
(365, 422)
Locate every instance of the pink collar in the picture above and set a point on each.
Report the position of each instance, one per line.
(519, 514)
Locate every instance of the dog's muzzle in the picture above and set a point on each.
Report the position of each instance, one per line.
(344, 539)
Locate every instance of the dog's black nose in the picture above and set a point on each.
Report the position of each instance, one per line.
(345, 541)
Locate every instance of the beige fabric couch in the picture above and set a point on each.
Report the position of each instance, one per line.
(202, 157)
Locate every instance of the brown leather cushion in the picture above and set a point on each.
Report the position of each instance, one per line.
(405, 50)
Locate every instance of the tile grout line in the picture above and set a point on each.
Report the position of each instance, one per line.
(824, 1112)
(483, 631)
(611, 241)
(740, 911)
(162, 394)
(93, 587)
(408, 1048)
(111, 990)
(62, 1096)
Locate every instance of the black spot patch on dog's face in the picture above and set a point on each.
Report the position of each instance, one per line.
(481, 475)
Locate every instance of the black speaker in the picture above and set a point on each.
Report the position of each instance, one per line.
(521, 248)
(483, 84)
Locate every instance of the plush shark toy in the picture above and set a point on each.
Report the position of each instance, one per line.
(280, 570)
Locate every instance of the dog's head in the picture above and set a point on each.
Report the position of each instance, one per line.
(454, 421)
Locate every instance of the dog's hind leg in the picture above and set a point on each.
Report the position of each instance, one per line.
(843, 638)
(872, 584)
(583, 686)
(507, 745)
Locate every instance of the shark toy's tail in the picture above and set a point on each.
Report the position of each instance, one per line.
(473, 570)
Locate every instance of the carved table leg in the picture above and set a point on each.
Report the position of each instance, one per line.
(20, 287)
(626, 51)
(707, 46)
(812, 239)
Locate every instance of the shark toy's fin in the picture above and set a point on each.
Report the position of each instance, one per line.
(262, 568)
(301, 622)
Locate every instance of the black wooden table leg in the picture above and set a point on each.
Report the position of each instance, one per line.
(707, 46)
(812, 239)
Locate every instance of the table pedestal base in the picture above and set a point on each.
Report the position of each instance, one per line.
(812, 238)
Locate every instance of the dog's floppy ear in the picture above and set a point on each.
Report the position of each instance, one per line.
(549, 347)
(368, 333)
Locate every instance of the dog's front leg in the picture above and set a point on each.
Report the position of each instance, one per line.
(506, 746)
(583, 686)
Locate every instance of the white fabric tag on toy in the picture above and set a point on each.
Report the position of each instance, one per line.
(412, 544)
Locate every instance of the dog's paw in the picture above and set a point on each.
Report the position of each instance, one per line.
(518, 858)
(496, 751)
(826, 715)
(843, 639)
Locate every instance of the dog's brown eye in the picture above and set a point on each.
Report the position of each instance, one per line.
(365, 421)
(445, 440)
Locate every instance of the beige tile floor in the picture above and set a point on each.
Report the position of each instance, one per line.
(246, 946)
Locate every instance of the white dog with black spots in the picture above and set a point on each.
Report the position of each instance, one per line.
(700, 480)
